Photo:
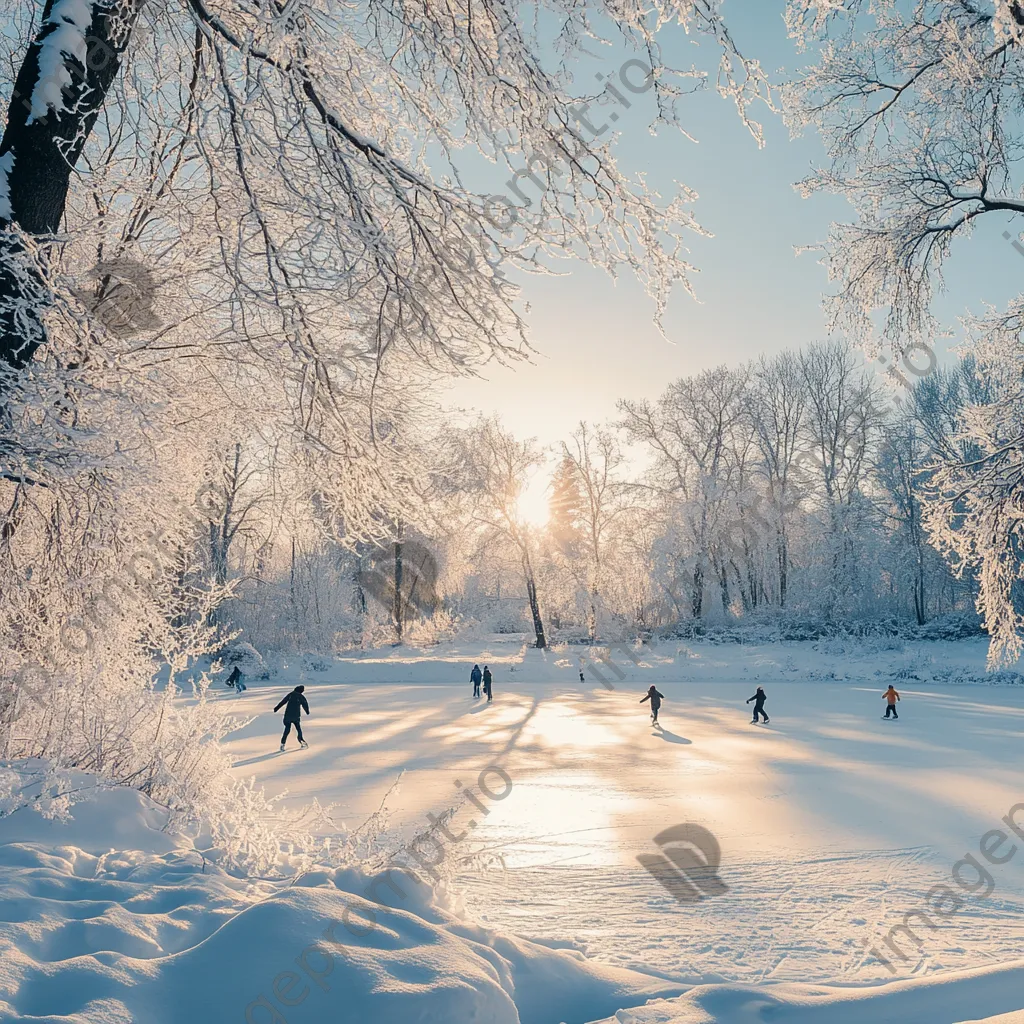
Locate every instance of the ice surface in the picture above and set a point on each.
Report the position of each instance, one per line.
(832, 825)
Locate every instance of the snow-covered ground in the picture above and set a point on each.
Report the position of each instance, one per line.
(832, 825)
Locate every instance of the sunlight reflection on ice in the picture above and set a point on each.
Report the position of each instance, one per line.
(557, 819)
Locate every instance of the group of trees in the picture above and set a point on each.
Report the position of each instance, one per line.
(801, 483)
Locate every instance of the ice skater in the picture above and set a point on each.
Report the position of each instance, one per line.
(487, 683)
(474, 678)
(890, 697)
(236, 680)
(655, 698)
(759, 698)
(292, 715)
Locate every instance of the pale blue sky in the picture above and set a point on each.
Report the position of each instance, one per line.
(596, 341)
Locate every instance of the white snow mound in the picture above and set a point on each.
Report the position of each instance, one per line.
(108, 920)
(945, 999)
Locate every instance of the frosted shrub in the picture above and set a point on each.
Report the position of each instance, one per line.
(441, 626)
(93, 643)
(507, 621)
(245, 657)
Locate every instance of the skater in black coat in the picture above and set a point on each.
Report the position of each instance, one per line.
(474, 678)
(759, 698)
(655, 698)
(487, 683)
(293, 713)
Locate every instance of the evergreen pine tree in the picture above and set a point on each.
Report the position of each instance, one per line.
(566, 504)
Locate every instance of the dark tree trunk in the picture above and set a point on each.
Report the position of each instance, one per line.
(291, 589)
(920, 602)
(748, 593)
(45, 152)
(753, 583)
(531, 593)
(783, 552)
(723, 583)
(396, 610)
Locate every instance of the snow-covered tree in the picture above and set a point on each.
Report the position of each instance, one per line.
(692, 432)
(974, 493)
(919, 107)
(302, 156)
(594, 458)
(566, 504)
(778, 411)
(494, 467)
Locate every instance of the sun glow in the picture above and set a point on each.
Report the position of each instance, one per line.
(532, 504)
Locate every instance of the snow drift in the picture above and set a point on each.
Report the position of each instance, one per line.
(150, 933)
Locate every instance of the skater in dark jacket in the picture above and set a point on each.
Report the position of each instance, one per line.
(292, 714)
(235, 680)
(487, 683)
(759, 698)
(655, 698)
(890, 697)
(474, 678)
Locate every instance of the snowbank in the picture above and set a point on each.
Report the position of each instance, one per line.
(150, 934)
(1003, 1018)
(941, 1000)
(107, 919)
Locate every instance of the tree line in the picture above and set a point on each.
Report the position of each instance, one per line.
(798, 484)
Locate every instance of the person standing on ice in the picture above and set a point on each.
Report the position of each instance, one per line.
(890, 697)
(759, 698)
(292, 715)
(655, 698)
(487, 683)
(235, 680)
(474, 678)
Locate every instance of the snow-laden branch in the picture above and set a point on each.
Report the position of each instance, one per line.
(64, 38)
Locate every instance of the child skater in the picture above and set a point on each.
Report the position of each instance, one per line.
(655, 698)
(759, 698)
(890, 697)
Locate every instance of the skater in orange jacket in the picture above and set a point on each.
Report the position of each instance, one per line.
(891, 696)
